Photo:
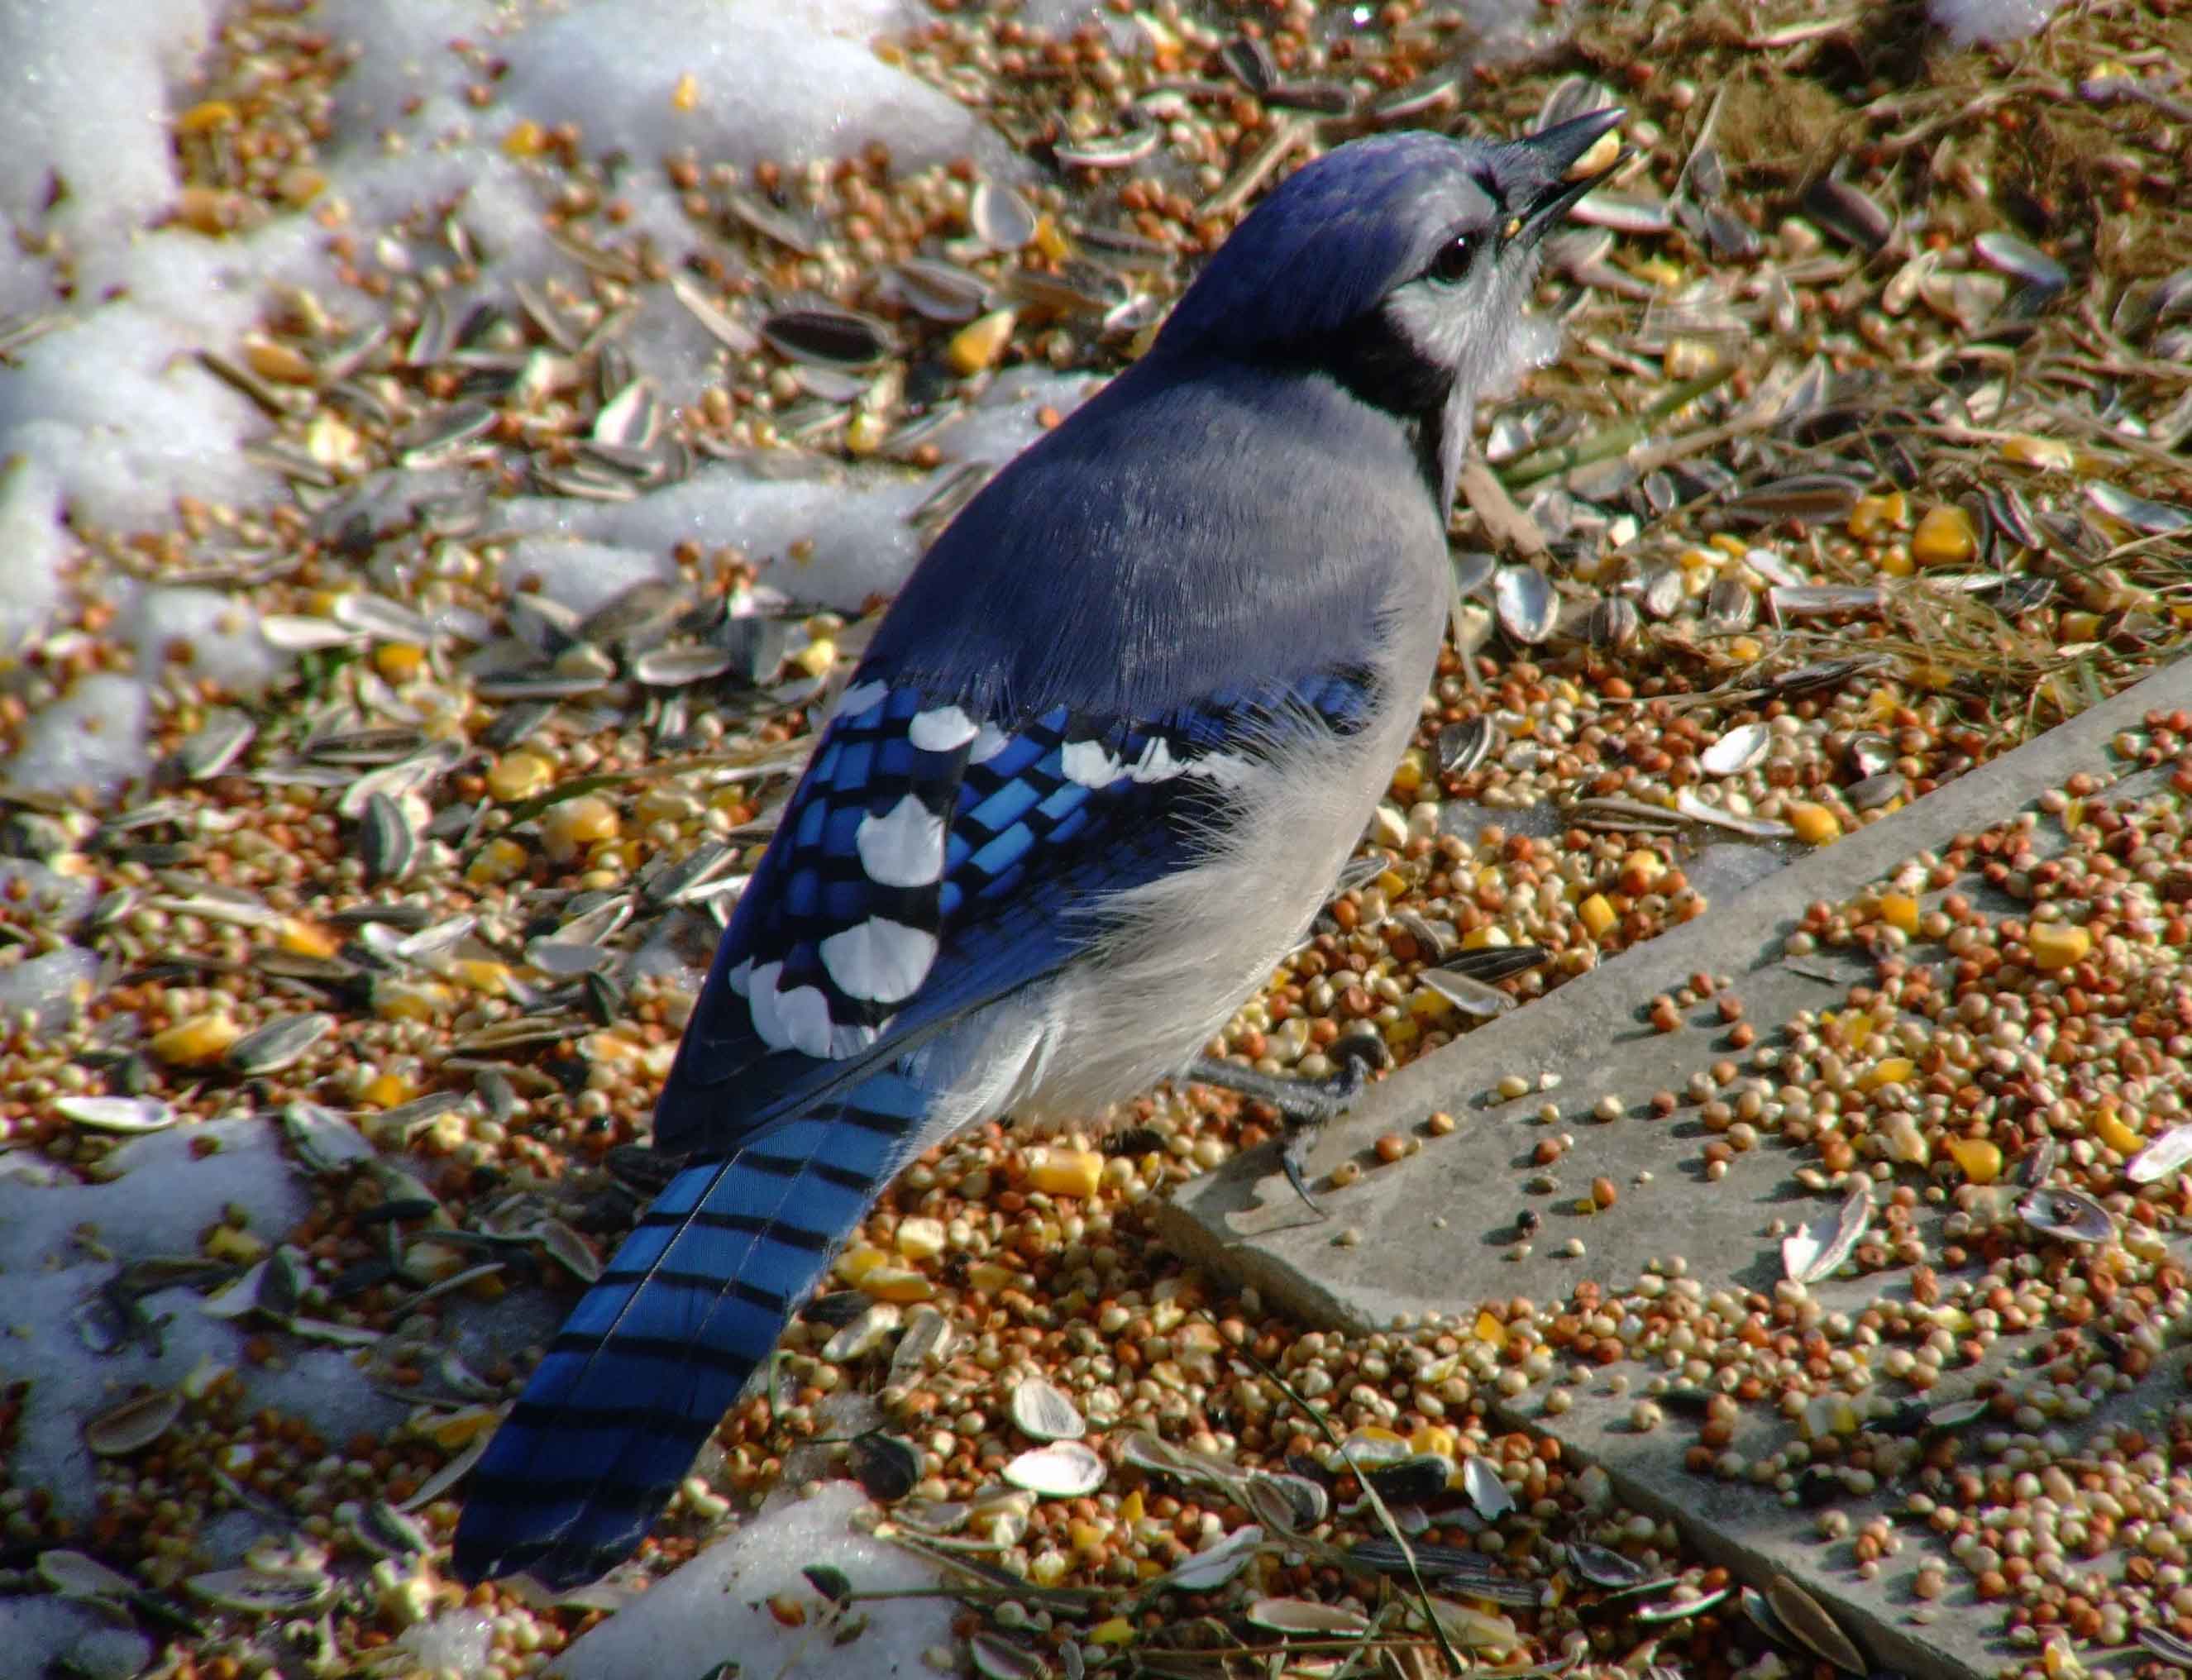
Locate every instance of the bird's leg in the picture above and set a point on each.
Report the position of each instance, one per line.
(1304, 1105)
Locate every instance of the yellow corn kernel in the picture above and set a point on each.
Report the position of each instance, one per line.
(1400, 1034)
(919, 1239)
(1051, 241)
(1980, 1158)
(238, 1246)
(1597, 915)
(1409, 774)
(1815, 825)
(501, 859)
(206, 115)
(1118, 1631)
(981, 342)
(1895, 561)
(1944, 537)
(1645, 864)
(399, 662)
(526, 139)
(197, 1040)
(856, 1262)
(2059, 944)
(990, 1276)
(1875, 515)
(280, 363)
(686, 95)
(576, 824)
(864, 433)
(519, 775)
(2048, 454)
(2079, 626)
(896, 1283)
(386, 1089)
(1064, 1172)
(817, 656)
(483, 975)
(1427, 1004)
(1899, 910)
(1491, 1332)
(1435, 1438)
(2109, 1128)
(1486, 937)
(1130, 1508)
(302, 939)
(412, 1000)
(1893, 1070)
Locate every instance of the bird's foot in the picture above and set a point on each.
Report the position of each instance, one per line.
(1305, 1105)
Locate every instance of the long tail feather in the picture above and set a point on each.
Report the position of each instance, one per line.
(668, 1338)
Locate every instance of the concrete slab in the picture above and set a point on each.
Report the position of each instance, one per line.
(1435, 1233)
(1445, 1218)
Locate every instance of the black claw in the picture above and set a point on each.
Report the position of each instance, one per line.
(1305, 1105)
(1292, 1157)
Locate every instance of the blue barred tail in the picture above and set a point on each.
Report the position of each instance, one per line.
(665, 1342)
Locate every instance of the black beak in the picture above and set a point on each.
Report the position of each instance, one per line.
(1543, 192)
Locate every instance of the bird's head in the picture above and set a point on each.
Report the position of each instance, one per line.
(1398, 266)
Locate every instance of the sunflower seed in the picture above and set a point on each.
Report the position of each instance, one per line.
(74, 1574)
(1063, 1470)
(1045, 1413)
(1251, 63)
(680, 666)
(259, 1592)
(1472, 997)
(766, 219)
(1305, 1616)
(1115, 152)
(2071, 1215)
(1286, 1503)
(1416, 100)
(1215, 1565)
(1813, 1628)
(137, 1422)
(1819, 1249)
(293, 633)
(116, 1114)
(1487, 1492)
(1741, 749)
(887, 1466)
(1462, 746)
(875, 1323)
(388, 840)
(277, 1044)
(1680, 1608)
(1730, 607)
(2021, 261)
(215, 744)
(2166, 1646)
(1526, 604)
(2156, 518)
(1601, 1567)
(1000, 218)
(1614, 623)
(1848, 213)
(835, 338)
(997, 1657)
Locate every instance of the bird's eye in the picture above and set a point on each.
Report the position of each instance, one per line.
(1454, 258)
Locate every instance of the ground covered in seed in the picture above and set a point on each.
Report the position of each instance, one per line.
(365, 832)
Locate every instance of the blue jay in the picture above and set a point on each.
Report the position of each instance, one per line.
(1107, 753)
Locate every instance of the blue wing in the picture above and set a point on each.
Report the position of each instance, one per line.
(928, 863)
(932, 860)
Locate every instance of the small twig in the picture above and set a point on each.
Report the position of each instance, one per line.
(1616, 440)
(1454, 1663)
